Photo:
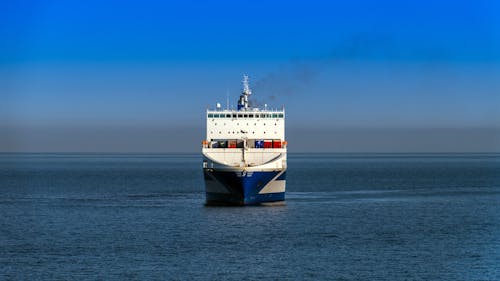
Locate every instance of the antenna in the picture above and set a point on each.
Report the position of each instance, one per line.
(246, 88)
(227, 99)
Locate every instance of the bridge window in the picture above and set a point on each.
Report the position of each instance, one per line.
(280, 115)
(210, 115)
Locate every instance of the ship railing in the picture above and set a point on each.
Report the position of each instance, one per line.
(250, 110)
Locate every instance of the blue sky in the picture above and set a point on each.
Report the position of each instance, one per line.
(87, 75)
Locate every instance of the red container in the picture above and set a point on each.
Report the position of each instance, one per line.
(268, 144)
(276, 143)
(231, 144)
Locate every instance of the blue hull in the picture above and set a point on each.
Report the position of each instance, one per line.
(241, 188)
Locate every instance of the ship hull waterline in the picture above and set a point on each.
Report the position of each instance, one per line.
(241, 187)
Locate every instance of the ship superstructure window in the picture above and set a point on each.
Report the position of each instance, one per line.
(250, 115)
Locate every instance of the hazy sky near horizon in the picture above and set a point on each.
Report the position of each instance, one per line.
(354, 76)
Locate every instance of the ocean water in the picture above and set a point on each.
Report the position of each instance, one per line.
(346, 217)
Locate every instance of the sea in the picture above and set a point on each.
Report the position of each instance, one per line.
(346, 217)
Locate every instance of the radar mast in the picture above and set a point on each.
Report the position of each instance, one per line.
(243, 101)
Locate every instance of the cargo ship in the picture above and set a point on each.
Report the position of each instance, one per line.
(244, 153)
